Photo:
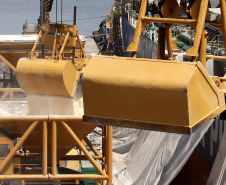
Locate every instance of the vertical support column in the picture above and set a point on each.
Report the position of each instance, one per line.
(223, 17)
(42, 19)
(83, 148)
(199, 28)
(43, 51)
(161, 43)
(36, 43)
(169, 40)
(44, 149)
(11, 75)
(104, 136)
(74, 23)
(54, 49)
(202, 49)
(103, 143)
(54, 148)
(61, 11)
(75, 13)
(133, 47)
(42, 12)
(95, 151)
(11, 95)
(61, 56)
(109, 154)
(80, 44)
(56, 11)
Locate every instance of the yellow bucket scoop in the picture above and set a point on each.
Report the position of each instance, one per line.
(47, 77)
(149, 94)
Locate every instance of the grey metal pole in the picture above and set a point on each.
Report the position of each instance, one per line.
(74, 23)
(61, 11)
(42, 18)
(56, 11)
(41, 12)
(75, 12)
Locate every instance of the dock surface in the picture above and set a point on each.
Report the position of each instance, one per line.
(90, 47)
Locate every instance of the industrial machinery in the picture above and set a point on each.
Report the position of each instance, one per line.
(57, 75)
(42, 77)
(161, 94)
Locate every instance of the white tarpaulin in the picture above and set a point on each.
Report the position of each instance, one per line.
(144, 157)
(218, 172)
(151, 158)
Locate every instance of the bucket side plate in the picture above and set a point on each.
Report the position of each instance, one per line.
(149, 94)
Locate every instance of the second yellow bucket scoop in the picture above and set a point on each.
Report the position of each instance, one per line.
(55, 75)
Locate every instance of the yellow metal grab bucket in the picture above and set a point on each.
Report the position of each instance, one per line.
(149, 94)
(47, 77)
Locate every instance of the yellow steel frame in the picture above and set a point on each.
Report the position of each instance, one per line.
(9, 91)
(105, 173)
(196, 18)
(7, 63)
(60, 41)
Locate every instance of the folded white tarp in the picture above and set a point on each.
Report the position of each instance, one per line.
(151, 158)
(218, 172)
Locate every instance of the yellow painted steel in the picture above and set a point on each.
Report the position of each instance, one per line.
(59, 74)
(150, 94)
(46, 77)
(17, 126)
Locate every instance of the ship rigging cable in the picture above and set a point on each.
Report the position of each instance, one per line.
(86, 18)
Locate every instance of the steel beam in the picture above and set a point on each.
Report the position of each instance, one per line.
(7, 63)
(109, 154)
(202, 49)
(13, 151)
(133, 47)
(168, 20)
(104, 146)
(25, 119)
(36, 43)
(79, 157)
(193, 51)
(56, 177)
(169, 40)
(83, 148)
(54, 148)
(223, 17)
(45, 149)
(95, 151)
(161, 43)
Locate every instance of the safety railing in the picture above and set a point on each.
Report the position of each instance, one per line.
(216, 41)
(8, 91)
